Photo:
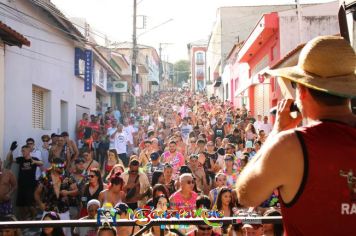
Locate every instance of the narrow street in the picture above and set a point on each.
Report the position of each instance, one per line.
(201, 111)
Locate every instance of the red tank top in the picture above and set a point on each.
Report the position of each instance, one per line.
(326, 200)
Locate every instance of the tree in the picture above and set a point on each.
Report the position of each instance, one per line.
(181, 72)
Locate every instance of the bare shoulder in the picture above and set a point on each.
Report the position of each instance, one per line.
(283, 154)
(285, 143)
(279, 164)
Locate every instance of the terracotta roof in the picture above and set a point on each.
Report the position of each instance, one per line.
(12, 37)
(289, 54)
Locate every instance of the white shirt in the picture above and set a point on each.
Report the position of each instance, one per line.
(258, 124)
(129, 130)
(267, 128)
(37, 153)
(44, 156)
(111, 130)
(185, 130)
(121, 142)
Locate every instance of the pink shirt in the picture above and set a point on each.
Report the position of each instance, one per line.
(176, 161)
(177, 201)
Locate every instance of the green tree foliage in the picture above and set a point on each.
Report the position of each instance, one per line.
(181, 72)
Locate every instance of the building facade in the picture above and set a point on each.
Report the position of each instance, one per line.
(197, 58)
(45, 89)
(273, 37)
(8, 38)
(233, 25)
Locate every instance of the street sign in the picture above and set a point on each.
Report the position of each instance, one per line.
(88, 77)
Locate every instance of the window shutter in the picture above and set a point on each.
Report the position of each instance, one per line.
(261, 99)
(37, 108)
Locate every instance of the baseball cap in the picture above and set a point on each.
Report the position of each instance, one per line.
(184, 169)
(121, 208)
(154, 156)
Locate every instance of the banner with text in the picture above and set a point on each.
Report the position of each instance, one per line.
(88, 78)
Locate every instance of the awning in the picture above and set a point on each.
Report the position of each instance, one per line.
(217, 82)
(260, 35)
(11, 37)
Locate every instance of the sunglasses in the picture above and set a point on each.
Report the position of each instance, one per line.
(293, 84)
(29, 143)
(205, 228)
(190, 182)
(91, 176)
(134, 163)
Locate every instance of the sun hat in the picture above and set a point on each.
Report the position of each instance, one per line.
(326, 64)
(133, 159)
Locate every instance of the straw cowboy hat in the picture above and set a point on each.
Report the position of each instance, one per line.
(327, 64)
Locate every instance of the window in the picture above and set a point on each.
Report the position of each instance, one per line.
(101, 77)
(200, 72)
(200, 58)
(37, 108)
(40, 108)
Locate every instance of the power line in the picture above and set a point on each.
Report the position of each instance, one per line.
(36, 59)
(48, 7)
(45, 55)
(45, 23)
(40, 28)
(155, 27)
(46, 41)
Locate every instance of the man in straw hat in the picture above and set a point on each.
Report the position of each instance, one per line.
(304, 163)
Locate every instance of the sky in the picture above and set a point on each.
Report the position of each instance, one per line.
(179, 21)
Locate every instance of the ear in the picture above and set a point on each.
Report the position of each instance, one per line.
(303, 92)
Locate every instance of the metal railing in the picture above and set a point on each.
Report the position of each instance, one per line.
(153, 222)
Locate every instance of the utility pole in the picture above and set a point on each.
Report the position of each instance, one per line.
(160, 62)
(134, 50)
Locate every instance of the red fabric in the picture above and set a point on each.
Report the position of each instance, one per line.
(82, 123)
(331, 148)
(95, 126)
(83, 212)
(108, 168)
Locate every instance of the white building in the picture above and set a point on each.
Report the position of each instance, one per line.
(233, 25)
(10, 38)
(42, 95)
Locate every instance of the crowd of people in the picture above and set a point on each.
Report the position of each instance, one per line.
(175, 150)
(179, 150)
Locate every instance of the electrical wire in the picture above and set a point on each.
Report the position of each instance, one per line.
(45, 23)
(45, 55)
(37, 59)
(46, 41)
(49, 8)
